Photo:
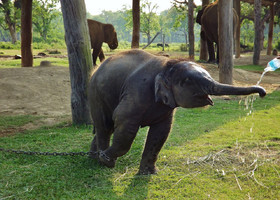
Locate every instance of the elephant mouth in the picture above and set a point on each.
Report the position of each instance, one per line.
(205, 98)
(209, 100)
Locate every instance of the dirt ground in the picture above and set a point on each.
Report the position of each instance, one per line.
(45, 91)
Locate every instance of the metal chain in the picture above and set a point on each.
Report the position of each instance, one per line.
(48, 153)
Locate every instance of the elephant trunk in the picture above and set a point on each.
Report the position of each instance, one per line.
(223, 89)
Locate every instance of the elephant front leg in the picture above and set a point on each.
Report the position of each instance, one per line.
(124, 135)
(157, 136)
(101, 55)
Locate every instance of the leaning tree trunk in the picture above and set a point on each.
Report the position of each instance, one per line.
(258, 31)
(225, 15)
(136, 24)
(26, 33)
(79, 56)
(191, 29)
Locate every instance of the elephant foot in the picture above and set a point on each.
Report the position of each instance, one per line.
(93, 154)
(105, 160)
(147, 170)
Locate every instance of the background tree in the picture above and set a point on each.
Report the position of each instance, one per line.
(191, 28)
(149, 19)
(10, 17)
(136, 23)
(26, 34)
(44, 12)
(189, 5)
(179, 22)
(79, 55)
(258, 32)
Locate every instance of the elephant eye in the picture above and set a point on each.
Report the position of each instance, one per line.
(186, 81)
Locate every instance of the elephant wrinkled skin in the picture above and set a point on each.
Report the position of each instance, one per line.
(134, 89)
(207, 17)
(100, 33)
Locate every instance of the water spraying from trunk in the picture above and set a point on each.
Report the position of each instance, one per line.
(249, 101)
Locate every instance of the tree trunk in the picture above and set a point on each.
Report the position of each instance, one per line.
(136, 24)
(258, 30)
(237, 7)
(26, 33)
(191, 29)
(79, 55)
(225, 15)
(12, 30)
(270, 32)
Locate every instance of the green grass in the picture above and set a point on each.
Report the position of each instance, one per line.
(219, 152)
(257, 68)
(36, 62)
(16, 121)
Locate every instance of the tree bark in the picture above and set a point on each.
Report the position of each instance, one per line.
(191, 29)
(237, 7)
(225, 15)
(203, 55)
(258, 31)
(270, 32)
(26, 33)
(79, 55)
(136, 24)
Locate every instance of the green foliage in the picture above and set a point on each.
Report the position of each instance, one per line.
(183, 47)
(211, 153)
(149, 20)
(9, 45)
(43, 13)
(10, 17)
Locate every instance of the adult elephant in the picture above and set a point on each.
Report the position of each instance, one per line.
(134, 89)
(100, 33)
(207, 17)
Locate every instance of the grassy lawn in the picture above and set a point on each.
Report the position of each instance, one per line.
(220, 152)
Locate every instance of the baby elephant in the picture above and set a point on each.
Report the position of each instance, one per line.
(134, 89)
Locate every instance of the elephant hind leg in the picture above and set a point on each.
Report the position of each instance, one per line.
(211, 51)
(103, 126)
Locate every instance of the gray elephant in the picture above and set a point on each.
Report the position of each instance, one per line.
(135, 89)
(207, 17)
(100, 33)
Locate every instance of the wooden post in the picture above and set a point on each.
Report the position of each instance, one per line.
(225, 15)
(191, 28)
(203, 55)
(237, 7)
(270, 32)
(136, 23)
(79, 56)
(258, 27)
(26, 33)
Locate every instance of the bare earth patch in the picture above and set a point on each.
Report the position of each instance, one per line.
(45, 91)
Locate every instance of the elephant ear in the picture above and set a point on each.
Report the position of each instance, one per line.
(199, 15)
(163, 91)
